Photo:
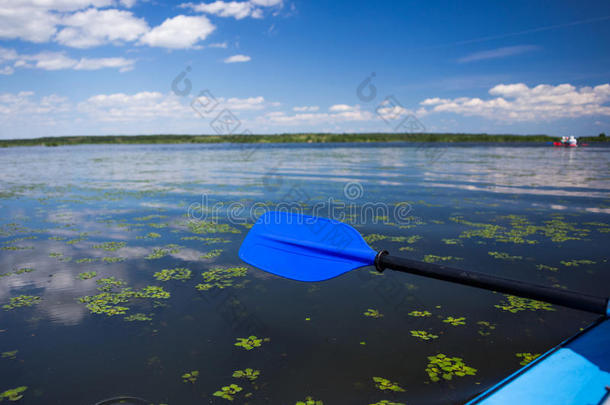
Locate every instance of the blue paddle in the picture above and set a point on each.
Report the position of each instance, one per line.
(306, 248)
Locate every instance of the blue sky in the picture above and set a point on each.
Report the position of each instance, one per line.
(87, 67)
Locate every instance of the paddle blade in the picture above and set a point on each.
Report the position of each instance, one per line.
(304, 248)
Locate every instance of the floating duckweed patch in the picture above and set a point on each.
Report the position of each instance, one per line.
(86, 260)
(452, 241)
(373, 313)
(202, 227)
(212, 254)
(248, 373)
(190, 377)
(420, 314)
(516, 304)
(12, 355)
(221, 277)
(309, 401)
(138, 317)
(150, 217)
(87, 275)
(387, 402)
(521, 230)
(21, 301)
(526, 358)
(206, 240)
(158, 253)
(24, 270)
(57, 238)
(455, 321)
(14, 394)
(485, 328)
(173, 274)
(374, 237)
(503, 256)
(434, 258)
(251, 342)
(545, 267)
(422, 334)
(111, 260)
(108, 301)
(228, 392)
(441, 366)
(384, 384)
(576, 263)
(150, 235)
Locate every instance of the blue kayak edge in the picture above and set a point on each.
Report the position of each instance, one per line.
(577, 371)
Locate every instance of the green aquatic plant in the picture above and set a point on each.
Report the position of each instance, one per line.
(526, 358)
(373, 313)
(435, 258)
(12, 355)
(309, 401)
(212, 254)
(250, 342)
(374, 237)
(191, 376)
(87, 275)
(21, 301)
(57, 238)
(545, 267)
(486, 328)
(206, 240)
(228, 392)
(516, 304)
(86, 260)
(442, 366)
(452, 241)
(421, 334)
(110, 302)
(24, 270)
(14, 394)
(455, 321)
(173, 274)
(203, 227)
(387, 402)
(110, 246)
(108, 283)
(150, 235)
(504, 256)
(248, 373)
(420, 314)
(221, 277)
(138, 317)
(111, 260)
(158, 253)
(576, 263)
(150, 217)
(384, 384)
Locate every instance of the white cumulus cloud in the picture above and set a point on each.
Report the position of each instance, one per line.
(235, 9)
(237, 59)
(518, 102)
(306, 108)
(179, 32)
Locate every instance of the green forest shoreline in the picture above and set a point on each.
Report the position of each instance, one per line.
(286, 138)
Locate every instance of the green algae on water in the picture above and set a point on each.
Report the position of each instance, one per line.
(158, 253)
(12, 355)
(212, 254)
(173, 274)
(138, 317)
(576, 263)
(221, 277)
(442, 366)
(248, 373)
(190, 377)
(14, 394)
(203, 227)
(516, 304)
(251, 342)
(228, 392)
(373, 313)
(455, 321)
(435, 258)
(87, 275)
(422, 334)
(420, 314)
(503, 256)
(526, 358)
(385, 384)
(486, 328)
(309, 401)
(21, 301)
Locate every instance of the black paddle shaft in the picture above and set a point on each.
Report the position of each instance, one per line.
(566, 298)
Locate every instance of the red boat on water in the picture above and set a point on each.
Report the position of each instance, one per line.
(569, 142)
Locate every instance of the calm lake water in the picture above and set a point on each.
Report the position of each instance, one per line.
(528, 212)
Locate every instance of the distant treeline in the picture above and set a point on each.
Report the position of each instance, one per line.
(282, 138)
